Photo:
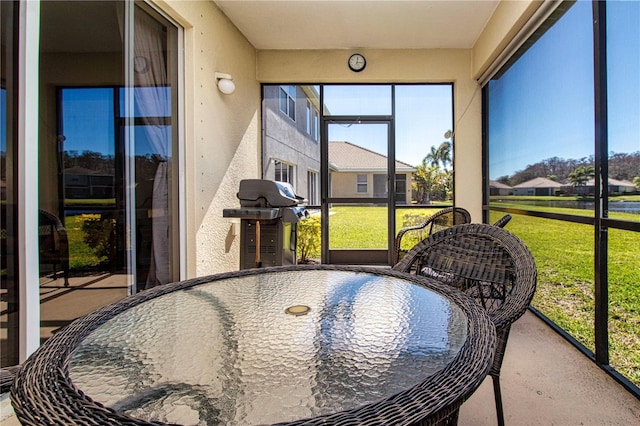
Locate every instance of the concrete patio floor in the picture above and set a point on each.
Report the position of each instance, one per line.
(545, 381)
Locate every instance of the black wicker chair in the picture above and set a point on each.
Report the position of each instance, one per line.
(7, 376)
(442, 219)
(54, 245)
(488, 263)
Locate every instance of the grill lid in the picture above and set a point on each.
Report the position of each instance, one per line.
(267, 193)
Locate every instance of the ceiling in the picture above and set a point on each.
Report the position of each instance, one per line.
(400, 24)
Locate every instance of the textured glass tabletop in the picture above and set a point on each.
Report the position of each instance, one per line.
(268, 348)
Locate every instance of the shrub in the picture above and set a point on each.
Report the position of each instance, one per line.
(99, 234)
(309, 239)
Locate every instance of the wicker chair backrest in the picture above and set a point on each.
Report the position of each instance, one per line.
(487, 262)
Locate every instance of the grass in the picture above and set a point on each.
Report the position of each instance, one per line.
(80, 254)
(353, 227)
(89, 202)
(564, 257)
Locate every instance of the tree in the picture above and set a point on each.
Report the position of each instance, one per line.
(581, 175)
(636, 182)
(424, 179)
(433, 157)
(444, 154)
(504, 179)
(432, 178)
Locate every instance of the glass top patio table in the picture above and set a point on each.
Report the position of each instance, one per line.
(304, 344)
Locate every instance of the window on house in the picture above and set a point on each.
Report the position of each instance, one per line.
(288, 101)
(361, 186)
(312, 188)
(283, 172)
(315, 117)
(312, 121)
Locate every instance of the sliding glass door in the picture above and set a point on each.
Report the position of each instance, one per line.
(108, 171)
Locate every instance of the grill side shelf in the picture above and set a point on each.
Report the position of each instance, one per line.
(258, 214)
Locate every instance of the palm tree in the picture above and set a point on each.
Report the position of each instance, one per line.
(440, 155)
(433, 157)
(580, 176)
(444, 153)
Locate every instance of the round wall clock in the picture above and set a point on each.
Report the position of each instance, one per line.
(357, 62)
(140, 64)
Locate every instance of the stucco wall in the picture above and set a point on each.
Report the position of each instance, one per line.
(504, 24)
(344, 185)
(288, 141)
(222, 140)
(400, 66)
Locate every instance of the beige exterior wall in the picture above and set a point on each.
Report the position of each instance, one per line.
(222, 132)
(504, 24)
(344, 185)
(401, 66)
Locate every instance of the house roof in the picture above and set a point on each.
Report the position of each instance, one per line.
(347, 157)
(499, 185)
(539, 182)
(612, 182)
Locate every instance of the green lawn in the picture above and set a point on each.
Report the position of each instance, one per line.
(81, 255)
(564, 257)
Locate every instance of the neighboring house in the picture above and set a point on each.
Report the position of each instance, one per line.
(80, 182)
(499, 188)
(357, 172)
(615, 186)
(538, 186)
(291, 153)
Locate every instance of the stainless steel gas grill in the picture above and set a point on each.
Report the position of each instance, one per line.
(269, 213)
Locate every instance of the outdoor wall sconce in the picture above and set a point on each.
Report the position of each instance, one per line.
(225, 83)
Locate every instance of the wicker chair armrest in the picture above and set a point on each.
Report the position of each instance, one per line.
(457, 212)
(398, 239)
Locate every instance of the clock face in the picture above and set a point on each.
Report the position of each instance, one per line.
(357, 62)
(140, 64)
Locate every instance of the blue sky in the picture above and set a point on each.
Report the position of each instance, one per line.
(88, 120)
(542, 107)
(423, 115)
(88, 115)
(623, 35)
